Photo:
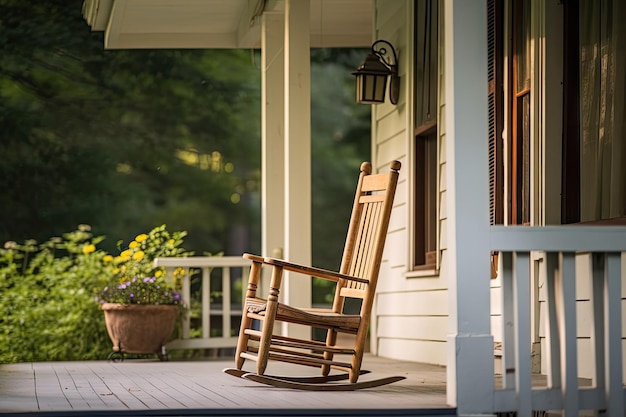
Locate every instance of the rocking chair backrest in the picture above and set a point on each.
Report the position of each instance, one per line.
(367, 232)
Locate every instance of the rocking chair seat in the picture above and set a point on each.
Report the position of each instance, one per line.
(318, 317)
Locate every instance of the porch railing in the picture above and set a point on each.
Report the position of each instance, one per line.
(214, 306)
(592, 256)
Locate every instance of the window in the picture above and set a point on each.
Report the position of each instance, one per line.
(426, 108)
(517, 166)
(593, 177)
(594, 134)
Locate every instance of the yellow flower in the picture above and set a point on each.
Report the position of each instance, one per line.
(179, 272)
(116, 270)
(107, 258)
(138, 256)
(140, 238)
(125, 254)
(134, 244)
(158, 273)
(88, 249)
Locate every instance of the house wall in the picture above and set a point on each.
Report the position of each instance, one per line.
(411, 312)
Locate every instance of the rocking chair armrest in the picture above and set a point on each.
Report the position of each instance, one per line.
(253, 258)
(311, 270)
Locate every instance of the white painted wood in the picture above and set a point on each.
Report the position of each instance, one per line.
(597, 323)
(413, 303)
(202, 261)
(273, 139)
(297, 87)
(389, 126)
(470, 344)
(186, 294)
(206, 302)
(614, 394)
(114, 24)
(385, 152)
(201, 24)
(583, 277)
(429, 351)
(521, 287)
(397, 221)
(413, 327)
(558, 238)
(566, 310)
(226, 302)
(509, 345)
(553, 358)
(497, 325)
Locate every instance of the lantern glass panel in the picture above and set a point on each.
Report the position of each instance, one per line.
(370, 88)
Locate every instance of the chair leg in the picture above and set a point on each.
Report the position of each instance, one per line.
(242, 342)
(331, 340)
(359, 349)
(246, 322)
(268, 322)
(357, 359)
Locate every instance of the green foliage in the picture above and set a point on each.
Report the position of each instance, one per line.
(137, 259)
(48, 304)
(135, 279)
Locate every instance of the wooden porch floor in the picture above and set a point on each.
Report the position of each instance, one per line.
(198, 388)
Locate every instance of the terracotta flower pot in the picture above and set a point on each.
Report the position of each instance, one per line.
(139, 328)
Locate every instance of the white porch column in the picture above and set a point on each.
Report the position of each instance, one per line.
(297, 289)
(273, 134)
(470, 344)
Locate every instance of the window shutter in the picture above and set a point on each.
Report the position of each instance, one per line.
(495, 111)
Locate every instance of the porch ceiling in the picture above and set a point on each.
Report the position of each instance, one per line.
(133, 24)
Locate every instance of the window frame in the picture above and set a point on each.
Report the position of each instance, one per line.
(425, 153)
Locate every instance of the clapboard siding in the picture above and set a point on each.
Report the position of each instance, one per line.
(410, 318)
(426, 351)
(413, 303)
(413, 328)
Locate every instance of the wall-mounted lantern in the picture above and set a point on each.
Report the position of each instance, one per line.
(371, 76)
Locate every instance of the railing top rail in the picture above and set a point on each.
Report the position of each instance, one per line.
(570, 238)
(201, 261)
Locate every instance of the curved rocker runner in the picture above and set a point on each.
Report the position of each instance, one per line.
(321, 383)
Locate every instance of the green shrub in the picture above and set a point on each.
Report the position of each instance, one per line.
(48, 299)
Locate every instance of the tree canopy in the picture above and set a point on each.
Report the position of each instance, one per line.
(121, 140)
(127, 139)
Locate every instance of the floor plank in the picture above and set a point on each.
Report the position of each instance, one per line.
(197, 387)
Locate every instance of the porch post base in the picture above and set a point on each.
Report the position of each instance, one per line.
(470, 374)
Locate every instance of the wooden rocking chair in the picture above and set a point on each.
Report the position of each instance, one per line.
(357, 278)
